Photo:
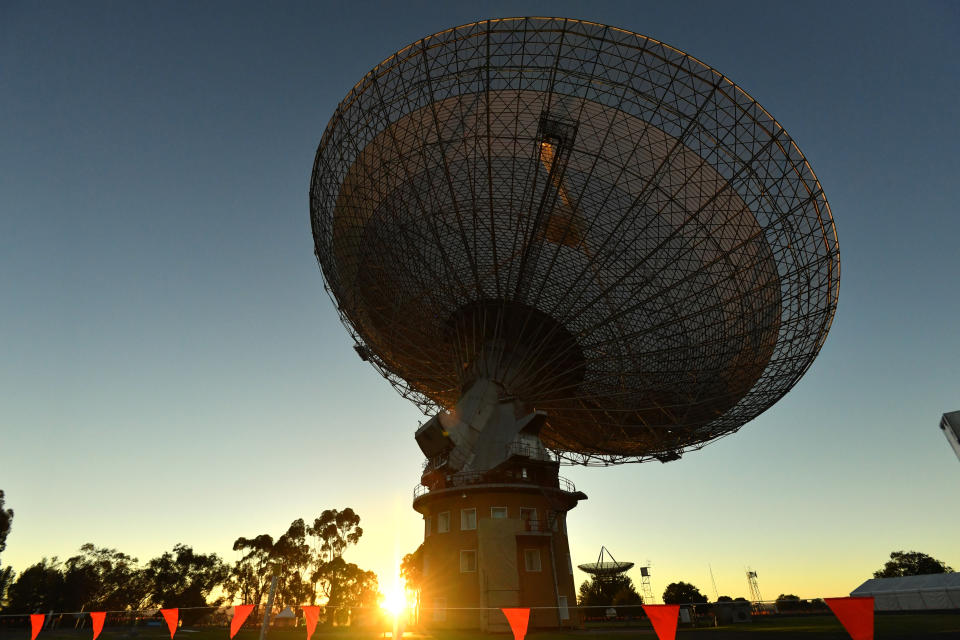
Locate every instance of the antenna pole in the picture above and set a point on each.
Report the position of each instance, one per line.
(266, 613)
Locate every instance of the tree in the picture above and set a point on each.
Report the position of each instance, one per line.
(251, 574)
(627, 595)
(788, 602)
(724, 599)
(608, 591)
(38, 588)
(6, 579)
(97, 578)
(345, 586)
(105, 579)
(185, 579)
(411, 570)
(682, 593)
(303, 570)
(911, 563)
(291, 559)
(336, 531)
(6, 574)
(6, 522)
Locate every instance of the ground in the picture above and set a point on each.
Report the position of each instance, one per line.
(813, 627)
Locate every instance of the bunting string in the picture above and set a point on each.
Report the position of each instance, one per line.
(854, 613)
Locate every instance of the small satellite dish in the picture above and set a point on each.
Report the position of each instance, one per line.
(605, 569)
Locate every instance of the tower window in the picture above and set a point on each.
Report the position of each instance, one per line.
(468, 519)
(529, 517)
(468, 561)
(439, 609)
(443, 522)
(498, 513)
(531, 559)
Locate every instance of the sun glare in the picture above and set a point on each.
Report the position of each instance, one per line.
(394, 601)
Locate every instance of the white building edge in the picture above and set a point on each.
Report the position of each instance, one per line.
(950, 423)
(913, 593)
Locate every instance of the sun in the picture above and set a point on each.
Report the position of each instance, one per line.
(394, 601)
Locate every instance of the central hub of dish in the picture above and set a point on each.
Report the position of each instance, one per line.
(508, 353)
(525, 352)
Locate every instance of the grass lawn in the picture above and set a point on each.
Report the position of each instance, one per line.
(887, 627)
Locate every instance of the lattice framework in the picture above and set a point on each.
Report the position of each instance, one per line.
(615, 229)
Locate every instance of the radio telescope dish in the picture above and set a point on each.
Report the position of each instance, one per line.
(611, 232)
(605, 569)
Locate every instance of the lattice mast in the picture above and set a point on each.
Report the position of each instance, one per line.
(755, 596)
(645, 587)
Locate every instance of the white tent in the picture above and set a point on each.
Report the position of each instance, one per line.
(913, 593)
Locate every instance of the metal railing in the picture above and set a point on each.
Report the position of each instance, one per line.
(468, 478)
(566, 485)
(513, 449)
(528, 451)
(435, 462)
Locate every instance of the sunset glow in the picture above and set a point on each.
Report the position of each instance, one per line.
(183, 403)
(394, 602)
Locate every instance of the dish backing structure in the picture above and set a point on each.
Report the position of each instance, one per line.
(565, 242)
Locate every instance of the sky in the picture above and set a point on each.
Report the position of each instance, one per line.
(171, 369)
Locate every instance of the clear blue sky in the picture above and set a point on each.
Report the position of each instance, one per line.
(172, 371)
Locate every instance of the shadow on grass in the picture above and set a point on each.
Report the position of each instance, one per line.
(887, 627)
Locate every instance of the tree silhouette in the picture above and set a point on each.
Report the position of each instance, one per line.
(251, 573)
(6, 574)
(185, 579)
(336, 531)
(411, 570)
(38, 588)
(303, 559)
(6, 521)
(911, 563)
(307, 560)
(291, 560)
(608, 591)
(345, 586)
(105, 579)
(682, 593)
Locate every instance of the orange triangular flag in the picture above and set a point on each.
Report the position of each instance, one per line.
(171, 616)
(518, 619)
(36, 623)
(311, 613)
(97, 617)
(663, 617)
(855, 614)
(240, 614)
